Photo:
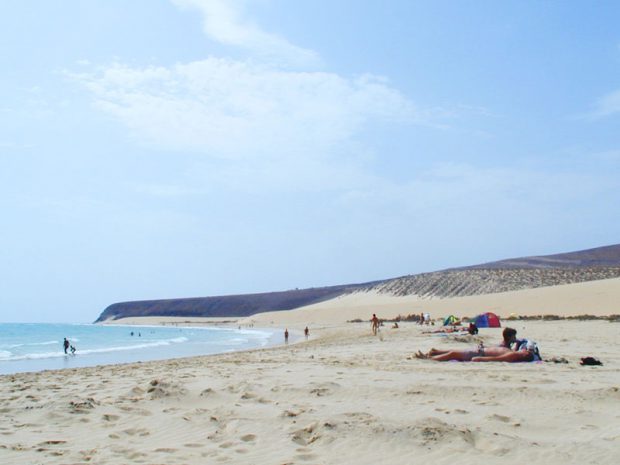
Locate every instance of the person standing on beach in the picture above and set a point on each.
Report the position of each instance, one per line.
(65, 345)
(306, 332)
(286, 335)
(374, 323)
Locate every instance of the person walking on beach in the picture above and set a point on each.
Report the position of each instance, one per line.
(306, 332)
(65, 345)
(374, 323)
(286, 335)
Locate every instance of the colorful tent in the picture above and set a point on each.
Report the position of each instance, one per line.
(451, 321)
(487, 320)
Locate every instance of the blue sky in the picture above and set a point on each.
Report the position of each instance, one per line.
(176, 148)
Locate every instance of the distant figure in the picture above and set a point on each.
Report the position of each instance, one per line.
(374, 321)
(286, 335)
(139, 335)
(131, 333)
(65, 345)
(306, 332)
(72, 350)
(421, 321)
(427, 318)
(473, 329)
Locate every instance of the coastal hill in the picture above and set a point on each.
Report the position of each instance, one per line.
(501, 276)
(600, 256)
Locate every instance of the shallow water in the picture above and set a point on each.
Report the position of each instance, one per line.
(35, 347)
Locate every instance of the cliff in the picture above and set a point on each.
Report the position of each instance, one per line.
(224, 306)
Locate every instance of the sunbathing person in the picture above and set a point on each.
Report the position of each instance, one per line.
(526, 351)
(489, 354)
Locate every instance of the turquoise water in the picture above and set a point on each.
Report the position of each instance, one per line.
(35, 347)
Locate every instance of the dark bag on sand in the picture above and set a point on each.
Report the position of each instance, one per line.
(590, 361)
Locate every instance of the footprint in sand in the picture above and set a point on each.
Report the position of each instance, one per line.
(166, 450)
(306, 436)
(590, 427)
(136, 431)
(292, 413)
(502, 418)
(52, 442)
(248, 437)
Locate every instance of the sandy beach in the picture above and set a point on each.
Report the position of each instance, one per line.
(342, 397)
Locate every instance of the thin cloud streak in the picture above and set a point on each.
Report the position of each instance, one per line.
(606, 106)
(224, 22)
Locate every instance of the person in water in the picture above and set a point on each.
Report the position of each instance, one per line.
(510, 349)
(65, 345)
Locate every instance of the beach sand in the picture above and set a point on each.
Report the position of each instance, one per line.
(342, 397)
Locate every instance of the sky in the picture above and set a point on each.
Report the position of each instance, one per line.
(180, 148)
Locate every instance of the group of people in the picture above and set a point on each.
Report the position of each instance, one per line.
(306, 333)
(424, 319)
(68, 347)
(511, 349)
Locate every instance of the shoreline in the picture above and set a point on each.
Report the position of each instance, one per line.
(344, 396)
(170, 342)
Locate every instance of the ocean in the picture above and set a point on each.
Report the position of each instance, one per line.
(36, 347)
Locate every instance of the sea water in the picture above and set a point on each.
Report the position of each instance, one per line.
(35, 347)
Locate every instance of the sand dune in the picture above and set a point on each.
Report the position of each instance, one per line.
(598, 298)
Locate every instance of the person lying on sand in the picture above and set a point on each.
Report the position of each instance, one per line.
(510, 349)
(527, 351)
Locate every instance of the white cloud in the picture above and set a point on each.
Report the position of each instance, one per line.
(258, 124)
(14, 146)
(224, 22)
(243, 111)
(607, 105)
